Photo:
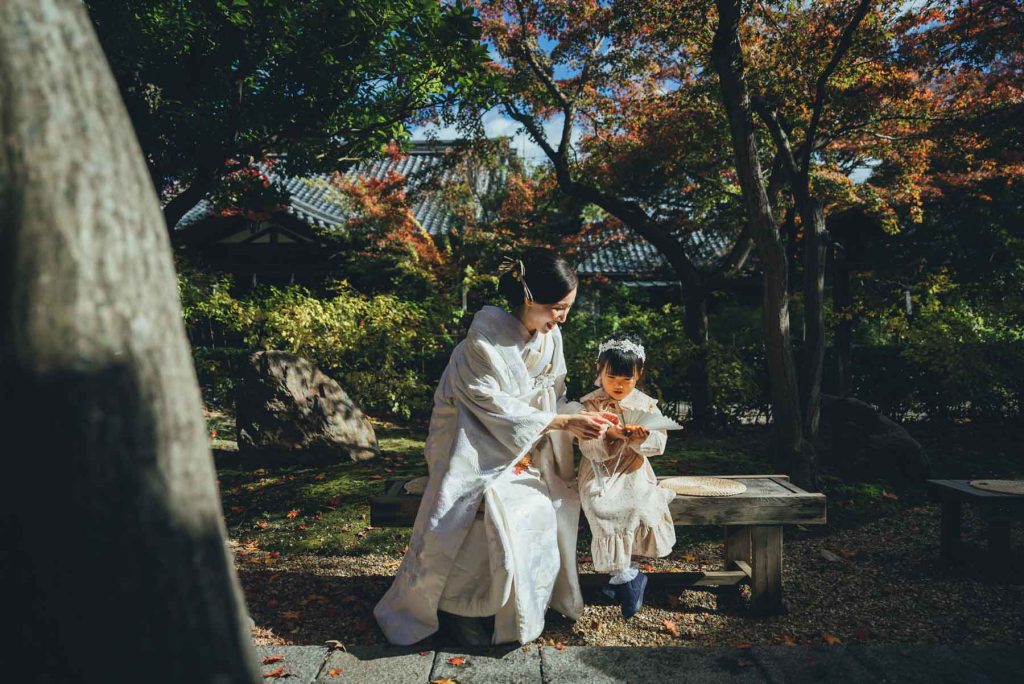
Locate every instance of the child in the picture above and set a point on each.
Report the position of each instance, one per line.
(627, 510)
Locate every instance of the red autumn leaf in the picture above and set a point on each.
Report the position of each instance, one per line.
(274, 554)
(213, 432)
(559, 646)
(525, 649)
(334, 502)
(279, 672)
(273, 659)
(293, 514)
(335, 672)
(262, 524)
(831, 639)
(237, 509)
(424, 653)
(670, 627)
(890, 496)
(405, 549)
(647, 568)
(744, 645)
(457, 661)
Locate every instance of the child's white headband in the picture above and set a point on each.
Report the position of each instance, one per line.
(623, 345)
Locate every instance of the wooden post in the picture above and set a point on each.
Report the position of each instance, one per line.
(737, 548)
(766, 564)
(949, 530)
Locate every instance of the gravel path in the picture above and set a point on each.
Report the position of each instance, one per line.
(879, 583)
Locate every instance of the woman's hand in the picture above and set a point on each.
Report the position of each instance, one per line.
(585, 424)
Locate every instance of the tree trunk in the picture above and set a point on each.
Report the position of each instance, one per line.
(793, 453)
(696, 327)
(813, 218)
(115, 567)
(842, 303)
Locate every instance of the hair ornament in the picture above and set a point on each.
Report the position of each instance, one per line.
(624, 346)
(518, 270)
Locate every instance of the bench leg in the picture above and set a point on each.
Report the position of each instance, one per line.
(766, 566)
(949, 531)
(737, 548)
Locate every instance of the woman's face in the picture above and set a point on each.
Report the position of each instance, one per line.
(544, 317)
(618, 387)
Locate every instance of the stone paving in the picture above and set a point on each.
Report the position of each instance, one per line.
(968, 664)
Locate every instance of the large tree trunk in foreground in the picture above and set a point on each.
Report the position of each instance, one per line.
(114, 567)
(794, 453)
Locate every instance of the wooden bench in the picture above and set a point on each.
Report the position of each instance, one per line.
(996, 509)
(752, 520)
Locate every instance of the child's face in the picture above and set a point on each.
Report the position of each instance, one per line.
(618, 386)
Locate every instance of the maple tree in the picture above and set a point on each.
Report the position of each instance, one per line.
(637, 139)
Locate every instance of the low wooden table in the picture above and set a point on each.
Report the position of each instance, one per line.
(752, 520)
(996, 509)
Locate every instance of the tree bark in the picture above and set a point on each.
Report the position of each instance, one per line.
(794, 454)
(115, 567)
(695, 323)
(813, 218)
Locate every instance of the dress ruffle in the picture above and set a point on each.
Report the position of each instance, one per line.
(613, 553)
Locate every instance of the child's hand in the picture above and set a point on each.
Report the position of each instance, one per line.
(615, 432)
(636, 433)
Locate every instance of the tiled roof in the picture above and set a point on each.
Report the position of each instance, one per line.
(311, 197)
(628, 257)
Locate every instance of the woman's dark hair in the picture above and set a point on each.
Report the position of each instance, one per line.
(618, 361)
(549, 277)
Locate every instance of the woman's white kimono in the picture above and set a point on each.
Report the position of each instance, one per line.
(490, 410)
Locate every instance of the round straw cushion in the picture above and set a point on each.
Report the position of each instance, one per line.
(1001, 486)
(703, 486)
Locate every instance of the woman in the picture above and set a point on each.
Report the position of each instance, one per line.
(495, 536)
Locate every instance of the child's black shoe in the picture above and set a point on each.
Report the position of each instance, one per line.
(631, 594)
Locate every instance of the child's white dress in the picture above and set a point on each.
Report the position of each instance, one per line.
(627, 510)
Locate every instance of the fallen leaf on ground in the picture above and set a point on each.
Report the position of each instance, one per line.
(290, 614)
(446, 680)
(831, 639)
(423, 653)
(525, 649)
(293, 514)
(457, 661)
(336, 672)
(890, 496)
(744, 645)
(262, 524)
(273, 659)
(321, 477)
(689, 557)
(787, 640)
(334, 502)
(559, 646)
(647, 568)
(279, 672)
(670, 627)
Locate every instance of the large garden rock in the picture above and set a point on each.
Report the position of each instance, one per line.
(863, 443)
(290, 411)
